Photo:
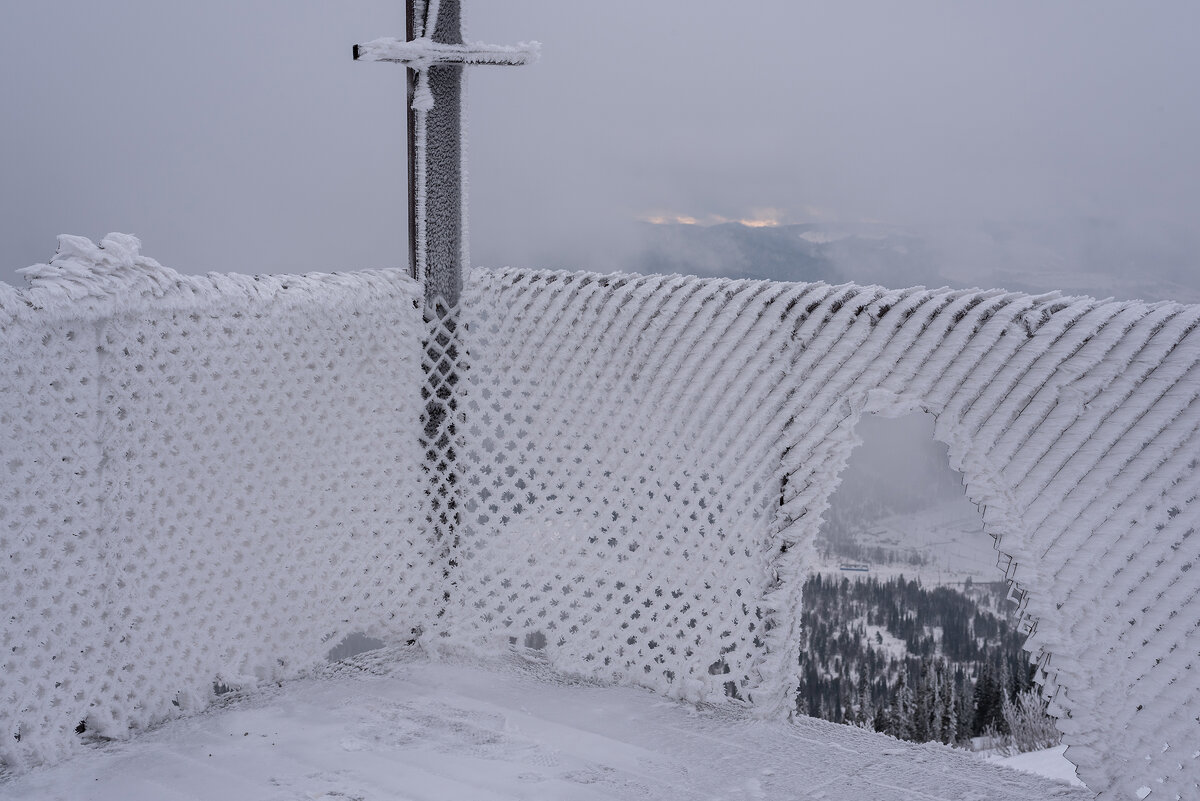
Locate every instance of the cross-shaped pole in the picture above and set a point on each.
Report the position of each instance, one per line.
(435, 55)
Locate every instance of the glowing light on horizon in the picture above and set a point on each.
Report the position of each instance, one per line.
(669, 219)
(759, 218)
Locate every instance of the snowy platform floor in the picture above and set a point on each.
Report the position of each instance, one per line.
(394, 726)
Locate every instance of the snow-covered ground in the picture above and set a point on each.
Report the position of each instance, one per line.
(1052, 763)
(393, 725)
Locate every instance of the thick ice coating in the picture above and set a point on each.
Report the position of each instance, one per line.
(214, 479)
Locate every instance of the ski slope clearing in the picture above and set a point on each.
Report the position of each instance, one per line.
(942, 545)
(394, 726)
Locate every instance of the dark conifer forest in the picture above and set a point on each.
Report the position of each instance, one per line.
(919, 664)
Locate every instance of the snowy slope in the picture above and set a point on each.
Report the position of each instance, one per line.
(948, 537)
(1051, 763)
(394, 727)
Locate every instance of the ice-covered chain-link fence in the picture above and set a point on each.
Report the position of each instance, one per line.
(203, 480)
(216, 478)
(626, 440)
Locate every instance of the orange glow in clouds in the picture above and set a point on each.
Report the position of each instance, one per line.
(758, 218)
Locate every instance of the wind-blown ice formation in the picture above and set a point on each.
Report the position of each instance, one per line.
(213, 478)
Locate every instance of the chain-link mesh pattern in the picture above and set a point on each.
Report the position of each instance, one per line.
(211, 482)
(625, 509)
(212, 478)
(442, 365)
(618, 500)
(58, 618)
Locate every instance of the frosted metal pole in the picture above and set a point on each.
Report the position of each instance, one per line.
(434, 53)
(411, 25)
(442, 249)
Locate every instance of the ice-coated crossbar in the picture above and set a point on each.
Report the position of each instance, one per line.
(420, 54)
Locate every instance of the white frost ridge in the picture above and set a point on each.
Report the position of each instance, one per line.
(217, 478)
(420, 54)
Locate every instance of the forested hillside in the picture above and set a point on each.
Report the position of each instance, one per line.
(919, 664)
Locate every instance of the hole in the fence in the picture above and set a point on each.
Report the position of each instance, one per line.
(535, 640)
(900, 509)
(353, 644)
(909, 627)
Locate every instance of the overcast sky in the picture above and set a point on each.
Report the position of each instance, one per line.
(240, 136)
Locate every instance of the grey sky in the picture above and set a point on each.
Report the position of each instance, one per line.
(240, 136)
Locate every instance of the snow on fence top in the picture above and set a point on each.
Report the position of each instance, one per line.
(216, 476)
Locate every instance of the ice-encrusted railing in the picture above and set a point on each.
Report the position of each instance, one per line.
(626, 441)
(204, 479)
(215, 477)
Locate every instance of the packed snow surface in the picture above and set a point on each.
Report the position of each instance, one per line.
(1050, 762)
(392, 726)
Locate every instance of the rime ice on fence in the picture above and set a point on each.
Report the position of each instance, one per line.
(203, 479)
(626, 439)
(435, 54)
(215, 478)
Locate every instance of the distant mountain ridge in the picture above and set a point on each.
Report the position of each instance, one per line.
(801, 252)
(1082, 257)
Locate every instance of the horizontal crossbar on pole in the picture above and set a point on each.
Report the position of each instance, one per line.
(421, 53)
